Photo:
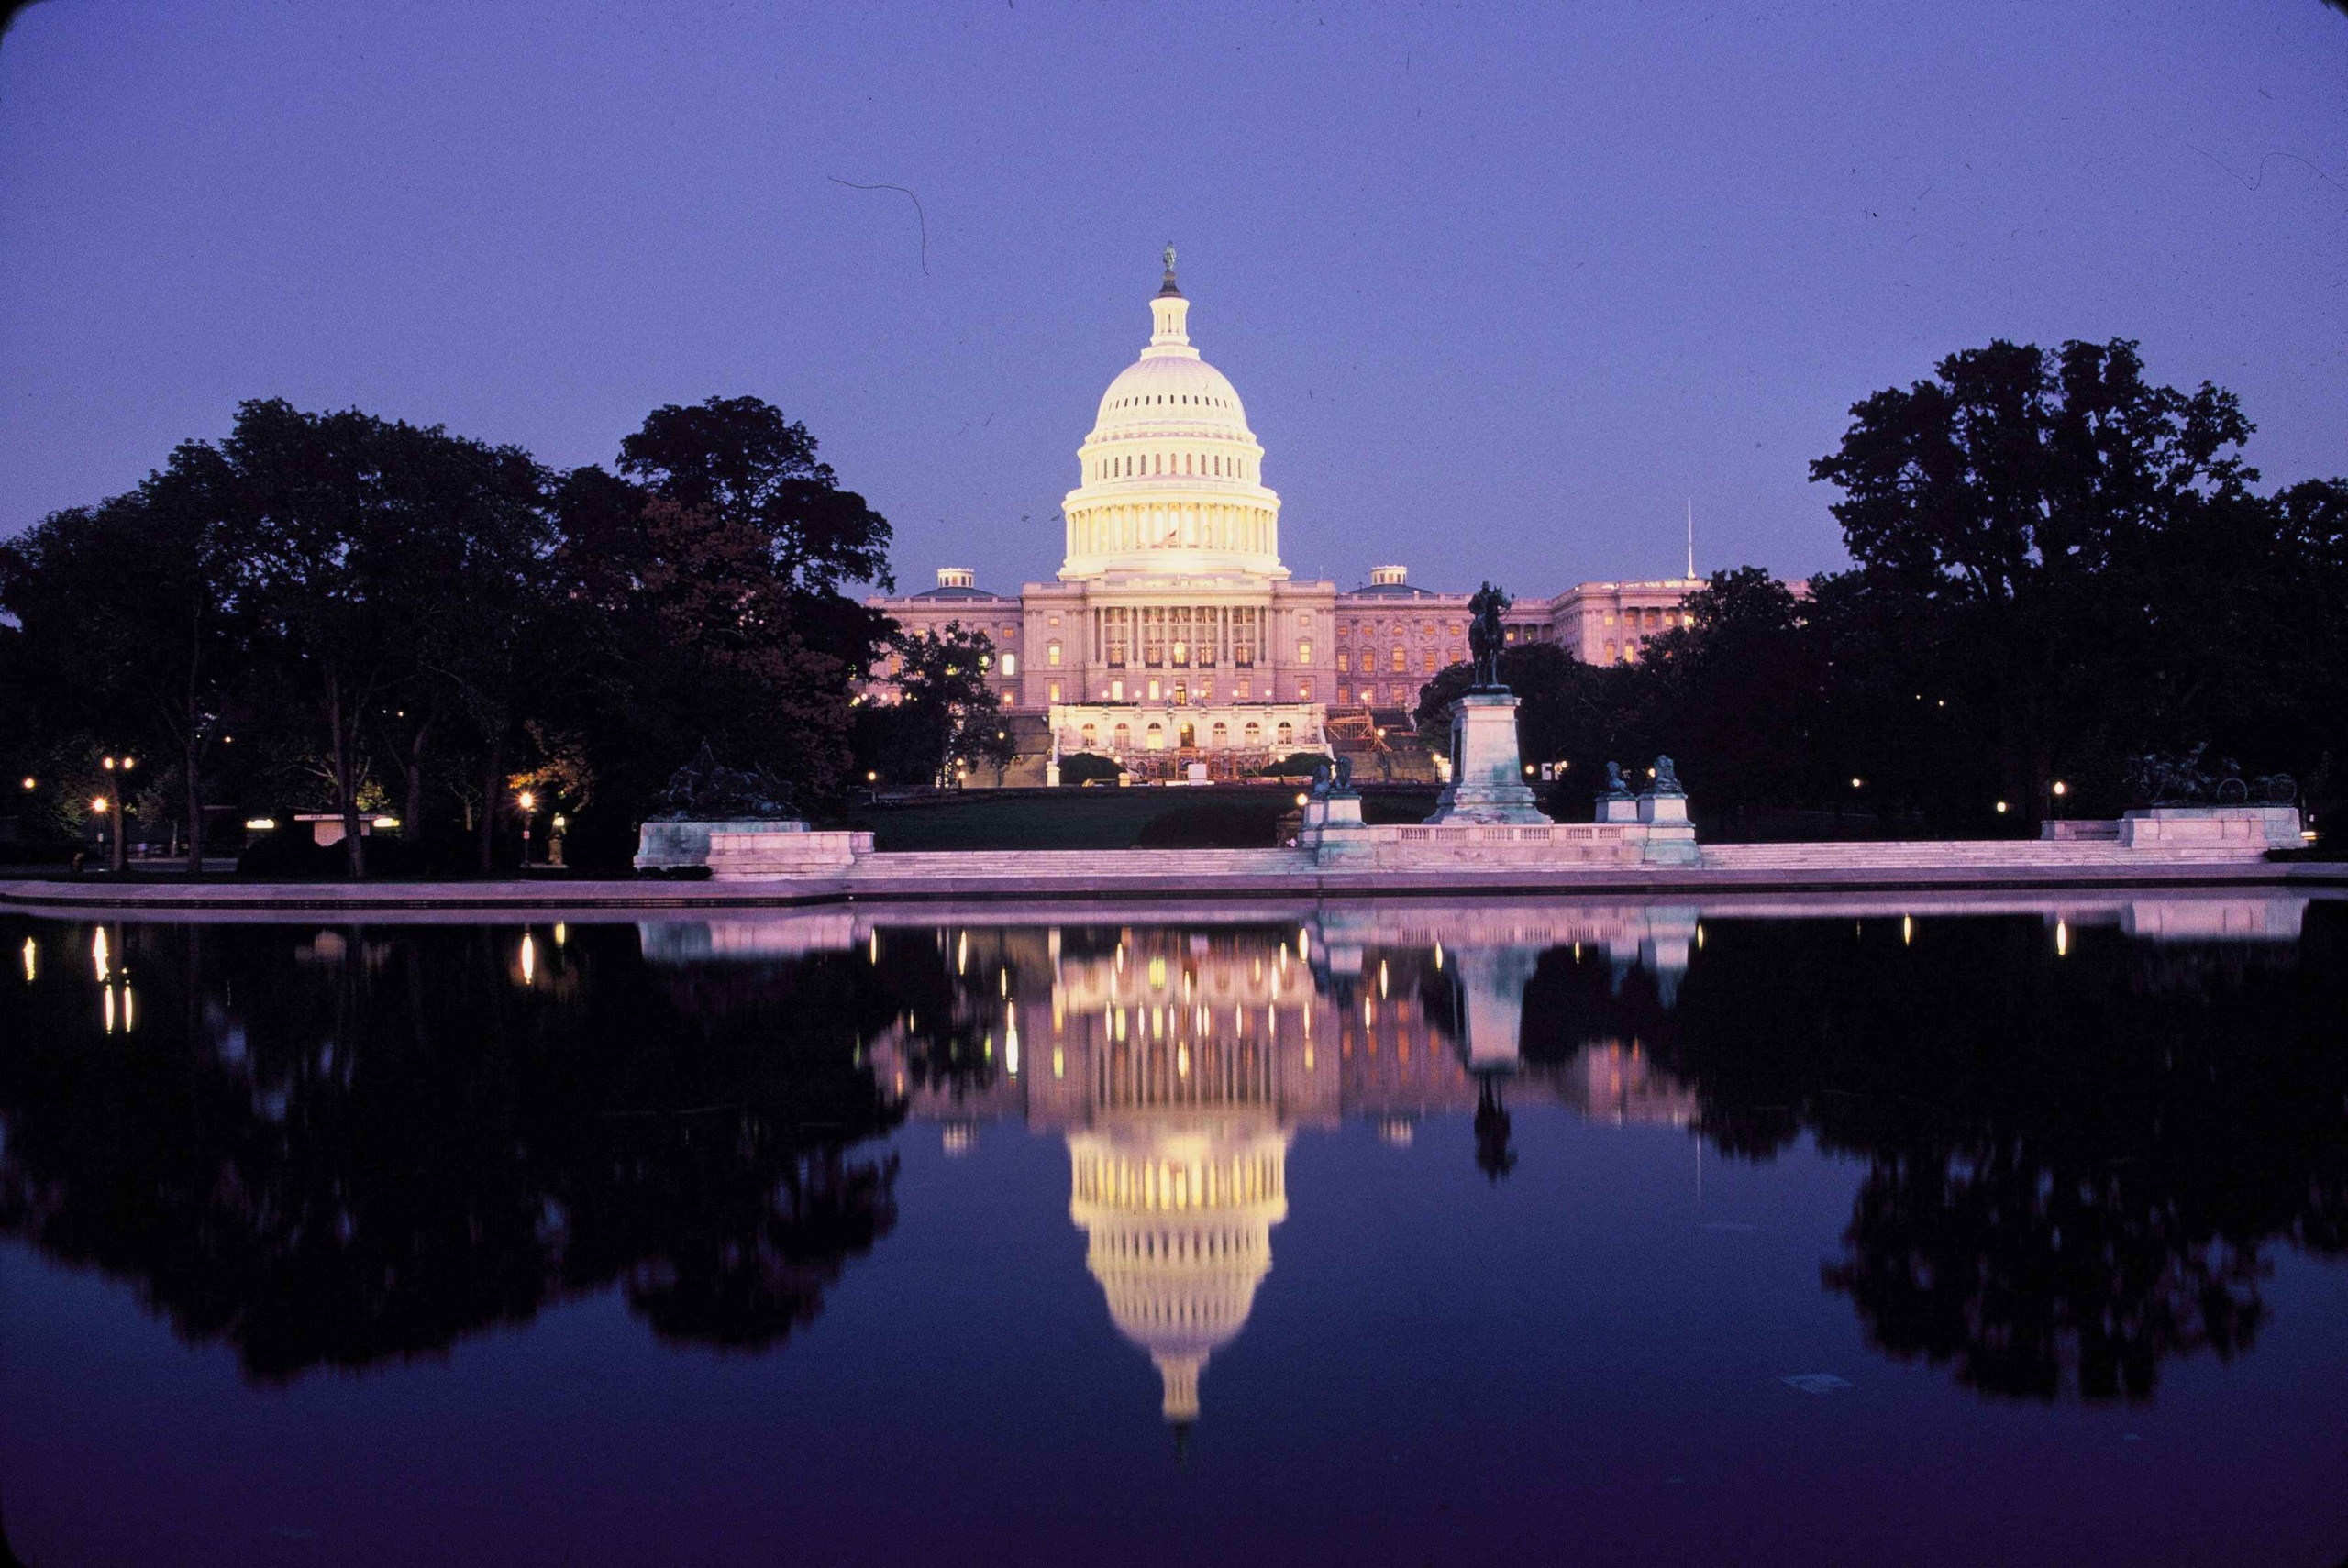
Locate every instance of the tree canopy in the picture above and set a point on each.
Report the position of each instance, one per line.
(332, 610)
(2058, 568)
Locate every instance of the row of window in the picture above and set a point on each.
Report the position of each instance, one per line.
(1145, 464)
(1183, 694)
(1154, 736)
(1428, 660)
(1399, 629)
(1155, 400)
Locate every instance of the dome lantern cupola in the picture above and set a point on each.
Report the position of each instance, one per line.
(1169, 315)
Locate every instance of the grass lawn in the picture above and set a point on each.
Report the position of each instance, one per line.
(1221, 817)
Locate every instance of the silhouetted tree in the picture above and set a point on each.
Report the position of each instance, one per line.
(945, 717)
(2019, 496)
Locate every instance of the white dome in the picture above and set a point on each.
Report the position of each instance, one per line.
(1172, 477)
(1169, 391)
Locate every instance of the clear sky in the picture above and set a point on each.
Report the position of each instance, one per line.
(1502, 287)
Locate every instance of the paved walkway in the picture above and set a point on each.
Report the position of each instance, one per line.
(1223, 875)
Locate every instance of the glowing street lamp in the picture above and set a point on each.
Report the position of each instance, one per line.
(528, 802)
(119, 852)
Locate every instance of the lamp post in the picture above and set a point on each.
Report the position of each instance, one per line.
(119, 852)
(528, 802)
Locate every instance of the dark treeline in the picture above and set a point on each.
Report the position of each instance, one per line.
(2059, 567)
(333, 611)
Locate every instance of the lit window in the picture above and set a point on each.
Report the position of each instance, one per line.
(1342, 665)
(1304, 691)
(1401, 657)
(1286, 733)
(1011, 664)
(1053, 691)
(1428, 663)
(1052, 655)
(1305, 652)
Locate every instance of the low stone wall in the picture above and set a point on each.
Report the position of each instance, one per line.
(1495, 844)
(2077, 831)
(1333, 835)
(1334, 838)
(673, 845)
(2251, 830)
(801, 853)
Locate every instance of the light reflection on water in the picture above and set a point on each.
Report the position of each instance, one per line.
(2074, 1137)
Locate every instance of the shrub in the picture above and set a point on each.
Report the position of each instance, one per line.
(1084, 767)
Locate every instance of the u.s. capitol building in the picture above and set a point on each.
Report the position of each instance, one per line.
(1175, 634)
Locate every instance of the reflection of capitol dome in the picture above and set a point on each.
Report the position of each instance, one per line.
(1172, 476)
(1180, 1214)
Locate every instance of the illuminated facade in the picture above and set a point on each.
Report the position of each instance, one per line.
(1174, 633)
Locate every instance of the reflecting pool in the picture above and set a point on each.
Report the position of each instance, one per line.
(1935, 1229)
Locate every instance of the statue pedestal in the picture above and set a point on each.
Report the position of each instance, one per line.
(1487, 770)
(1671, 837)
(1332, 831)
(1663, 807)
(1617, 808)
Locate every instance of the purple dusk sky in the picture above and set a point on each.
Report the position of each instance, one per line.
(1502, 287)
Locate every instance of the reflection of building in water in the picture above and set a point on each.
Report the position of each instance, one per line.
(1179, 1223)
(1178, 1066)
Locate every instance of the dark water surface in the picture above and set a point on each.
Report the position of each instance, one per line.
(1370, 1234)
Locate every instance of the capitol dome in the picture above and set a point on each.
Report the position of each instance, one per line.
(1171, 475)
